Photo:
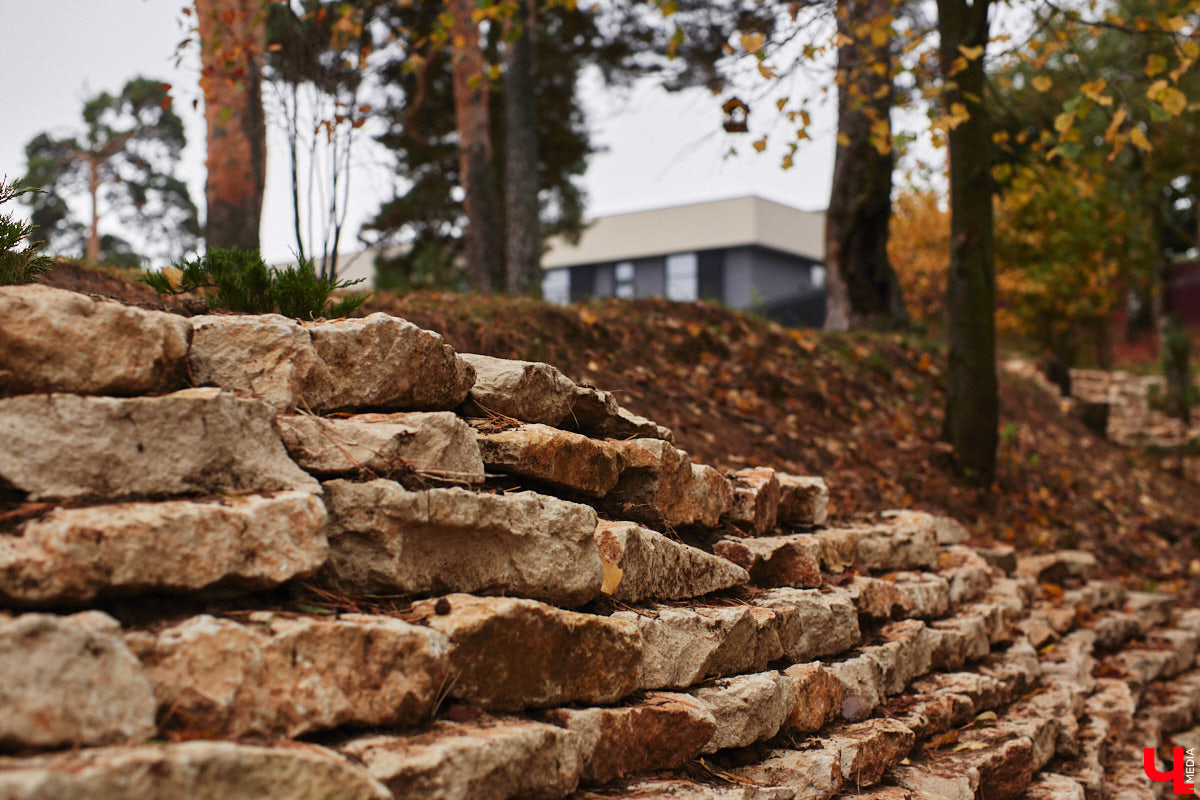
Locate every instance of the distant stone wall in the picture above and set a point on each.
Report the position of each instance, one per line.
(245, 557)
(1131, 419)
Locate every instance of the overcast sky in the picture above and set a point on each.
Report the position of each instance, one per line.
(661, 149)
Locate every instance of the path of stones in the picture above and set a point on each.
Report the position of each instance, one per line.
(636, 626)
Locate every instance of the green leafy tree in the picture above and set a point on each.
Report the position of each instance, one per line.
(123, 164)
(21, 260)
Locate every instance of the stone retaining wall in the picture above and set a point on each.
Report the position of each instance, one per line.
(349, 562)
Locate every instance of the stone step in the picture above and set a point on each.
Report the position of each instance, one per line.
(71, 556)
(660, 486)
(776, 561)
(897, 541)
(803, 500)
(378, 362)
(385, 539)
(190, 442)
(560, 459)
(643, 565)
(288, 771)
(756, 497)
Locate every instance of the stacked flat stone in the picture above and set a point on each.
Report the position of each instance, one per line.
(580, 607)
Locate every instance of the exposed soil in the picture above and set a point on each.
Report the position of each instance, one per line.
(862, 410)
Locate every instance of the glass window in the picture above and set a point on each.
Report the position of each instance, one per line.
(682, 271)
(556, 286)
(818, 276)
(624, 280)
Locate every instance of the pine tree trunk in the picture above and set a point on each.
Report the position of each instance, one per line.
(523, 239)
(972, 404)
(862, 287)
(92, 253)
(233, 38)
(484, 264)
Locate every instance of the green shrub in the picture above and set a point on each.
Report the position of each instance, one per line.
(18, 264)
(239, 280)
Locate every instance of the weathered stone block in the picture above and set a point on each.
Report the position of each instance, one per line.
(747, 708)
(72, 555)
(825, 623)
(195, 441)
(660, 486)
(562, 459)
(529, 391)
(803, 501)
(755, 506)
(550, 656)
(281, 676)
(818, 698)
(386, 539)
(53, 340)
(642, 564)
(487, 759)
(900, 540)
(435, 444)
(776, 560)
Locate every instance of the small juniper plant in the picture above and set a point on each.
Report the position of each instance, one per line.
(21, 260)
(239, 280)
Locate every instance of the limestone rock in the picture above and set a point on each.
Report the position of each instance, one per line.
(755, 506)
(70, 682)
(683, 646)
(803, 501)
(562, 459)
(813, 774)
(866, 749)
(747, 708)
(900, 540)
(901, 594)
(436, 444)
(529, 391)
(1002, 557)
(1058, 567)
(660, 486)
(649, 566)
(550, 656)
(879, 671)
(387, 362)
(60, 341)
(950, 531)
(825, 623)
(968, 573)
(818, 697)
(1051, 786)
(376, 362)
(73, 555)
(776, 560)
(291, 771)
(663, 732)
(194, 441)
(689, 790)
(598, 414)
(386, 539)
(267, 356)
(487, 759)
(281, 676)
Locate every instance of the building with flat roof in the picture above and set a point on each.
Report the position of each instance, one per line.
(746, 252)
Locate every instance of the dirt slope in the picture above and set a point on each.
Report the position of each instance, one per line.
(864, 411)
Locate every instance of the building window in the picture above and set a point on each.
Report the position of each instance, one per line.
(556, 286)
(624, 280)
(682, 272)
(818, 276)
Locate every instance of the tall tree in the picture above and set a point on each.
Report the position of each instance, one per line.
(863, 291)
(123, 163)
(485, 269)
(523, 228)
(233, 40)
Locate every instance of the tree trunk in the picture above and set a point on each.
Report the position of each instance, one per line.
(523, 238)
(972, 404)
(862, 287)
(484, 265)
(92, 254)
(233, 38)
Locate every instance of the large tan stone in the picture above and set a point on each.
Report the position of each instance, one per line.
(755, 506)
(529, 391)
(378, 362)
(747, 708)
(849, 756)
(901, 594)
(690, 790)
(776, 560)
(195, 441)
(803, 500)
(70, 682)
(435, 445)
(562, 459)
(73, 555)
(510, 654)
(818, 697)
(286, 676)
(662, 732)
(53, 340)
(598, 414)
(660, 486)
(192, 770)
(385, 539)
(899, 540)
(968, 573)
(1058, 567)
(645, 565)
(880, 670)
(486, 759)
(826, 623)
(683, 646)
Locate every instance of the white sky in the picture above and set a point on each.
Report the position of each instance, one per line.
(660, 149)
